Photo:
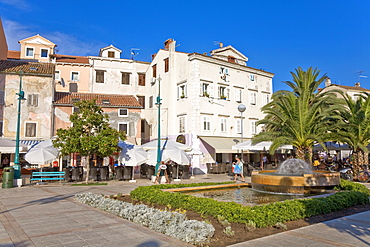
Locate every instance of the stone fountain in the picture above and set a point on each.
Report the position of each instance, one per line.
(294, 176)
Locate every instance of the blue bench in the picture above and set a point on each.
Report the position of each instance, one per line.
(41, 176)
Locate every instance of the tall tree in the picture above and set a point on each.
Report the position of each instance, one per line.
(89, 134)
(355, 127)
(301, 117)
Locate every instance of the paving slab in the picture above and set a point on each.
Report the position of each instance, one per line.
(48, 215)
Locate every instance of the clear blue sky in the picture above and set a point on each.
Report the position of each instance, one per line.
(276, 35)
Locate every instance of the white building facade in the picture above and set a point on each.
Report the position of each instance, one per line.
(200, 98)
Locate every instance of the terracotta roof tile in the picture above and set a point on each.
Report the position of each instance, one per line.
(71, 59)
(10, 66)
(65, 98)
(355, 88)
(14, 54)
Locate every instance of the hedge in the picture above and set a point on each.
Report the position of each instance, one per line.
(262, 215)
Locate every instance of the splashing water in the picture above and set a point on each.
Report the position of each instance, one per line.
(294, 166)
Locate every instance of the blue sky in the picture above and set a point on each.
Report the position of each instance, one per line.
(276, 35)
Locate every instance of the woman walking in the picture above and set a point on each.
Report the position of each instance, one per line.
(238, 169)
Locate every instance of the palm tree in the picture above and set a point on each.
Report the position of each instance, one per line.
(355, 127)
(301, 117)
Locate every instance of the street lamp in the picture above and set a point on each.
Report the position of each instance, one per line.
(20, 97)
(158, 103)
(241, 109)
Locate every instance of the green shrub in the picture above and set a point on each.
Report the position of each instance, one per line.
(261, 215)
(352, 186)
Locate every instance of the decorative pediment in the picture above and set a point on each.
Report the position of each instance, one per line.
(37, 39)
(230, 54)
(104, 51)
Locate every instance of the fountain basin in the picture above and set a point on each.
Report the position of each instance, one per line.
(270, 181)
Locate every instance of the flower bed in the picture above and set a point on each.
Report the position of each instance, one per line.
(262, 215)
(174, 224)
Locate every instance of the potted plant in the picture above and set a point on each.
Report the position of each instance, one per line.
(182, 96)
(223, 97)
(205, 94)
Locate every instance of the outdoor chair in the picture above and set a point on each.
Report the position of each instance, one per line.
(119, 172)
(67, 174)
(93, 173)
(75, 174)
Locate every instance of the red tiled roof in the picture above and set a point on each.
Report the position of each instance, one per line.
(63, 98)
(70, 59)
(10, 66)
(14, 54)
(355, 88)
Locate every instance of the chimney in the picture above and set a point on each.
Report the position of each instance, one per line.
(221, 44)
(327, 82)
(167, 44)
(357, 84)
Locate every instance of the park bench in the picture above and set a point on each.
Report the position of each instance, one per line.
(42, 176)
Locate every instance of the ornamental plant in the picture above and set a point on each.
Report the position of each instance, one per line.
(174, 224)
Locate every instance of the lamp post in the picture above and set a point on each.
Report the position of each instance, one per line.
(158, 103)
(20, 97)
(241, 109)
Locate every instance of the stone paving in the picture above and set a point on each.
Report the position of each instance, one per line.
(48, 215)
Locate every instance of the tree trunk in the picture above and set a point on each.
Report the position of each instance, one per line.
(304, 153)
(87, 168)
(360, 158)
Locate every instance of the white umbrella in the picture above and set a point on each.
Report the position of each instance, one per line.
(168, 144)
(133, 157)
(176, 155)
(42, 153)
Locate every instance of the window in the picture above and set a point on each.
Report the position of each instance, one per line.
(151, 102)
(30, 130)
(206, 123)
(75, 109)
(154, 68)
(99, 76)
(123, 112)
(223, 124)
(223, 92)
(231, 59)
(73, 87)
(238, 95)
(266, 99)
(253, 127)
(252, 98)
(166, 65)
(141, 79)
(238, 125)
(125, 78)
(141, 100)
(181, 124)
(44, 53)
(75, 76)
(105, 101)
(2, 93)
(32, 99)
(111, 54)
(57, 75)
(29, 52)
(181, 91)
(224, 71)
(123, 127)
(206, 90)
(251, 76)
